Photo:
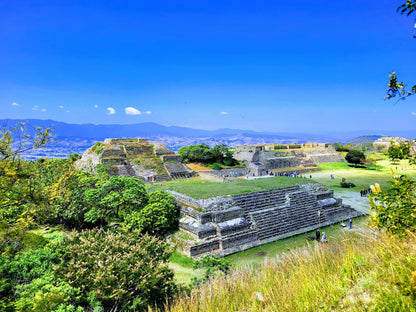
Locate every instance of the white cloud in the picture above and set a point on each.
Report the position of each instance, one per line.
(15, 104)
(36, 107)
(148, 112)
(224, 113)
(43, 110)
(132, 111)
(413, 113)
(61, 106)
(95, 106)
(67, 111)
(111, 111)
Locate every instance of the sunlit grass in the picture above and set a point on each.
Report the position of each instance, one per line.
(353, 273)
(199, 188)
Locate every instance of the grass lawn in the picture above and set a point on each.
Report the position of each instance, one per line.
(183, 267)
(199, 188)
(362, 178)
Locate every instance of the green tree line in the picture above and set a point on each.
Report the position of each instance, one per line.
(115, 258)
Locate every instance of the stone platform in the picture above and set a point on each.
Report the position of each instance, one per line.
(228, 224)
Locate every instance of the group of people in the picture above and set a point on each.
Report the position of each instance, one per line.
(364, 193)
(322, 238)
(286, 174)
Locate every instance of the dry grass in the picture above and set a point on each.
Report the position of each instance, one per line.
(359, 273)
(198, 167)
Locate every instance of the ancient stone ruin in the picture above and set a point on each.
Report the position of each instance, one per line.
(150, 161)
(383, 144)
(263, 158)
(228, 224)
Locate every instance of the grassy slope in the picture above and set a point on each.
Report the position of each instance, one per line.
(355, 273)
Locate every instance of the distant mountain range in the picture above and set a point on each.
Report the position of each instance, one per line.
(364, 139)
(78, 137)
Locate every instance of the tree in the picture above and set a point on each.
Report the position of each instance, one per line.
(20, 186)
(399, 89)
(118, 197)
(158, 217)
(355, 157)
(399, 150)
(203, 153)
(117, 271)
(394, 209)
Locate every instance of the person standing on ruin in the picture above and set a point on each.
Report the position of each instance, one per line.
(350, 223)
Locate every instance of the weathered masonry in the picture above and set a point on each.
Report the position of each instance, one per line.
(229, 224)
(150, 161)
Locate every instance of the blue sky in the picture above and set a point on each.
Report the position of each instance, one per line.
(281, 66)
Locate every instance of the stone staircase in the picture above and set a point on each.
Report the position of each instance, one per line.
(178, 170)
(256, 201)
(238, 222)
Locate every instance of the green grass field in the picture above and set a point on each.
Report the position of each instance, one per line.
(362, 178)
(198, 188)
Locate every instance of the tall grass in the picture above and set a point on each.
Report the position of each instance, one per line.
(358, 273)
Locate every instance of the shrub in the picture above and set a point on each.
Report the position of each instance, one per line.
(347, 185)
(394, 209)
(121, 270)
(213, 266)
(216, 166)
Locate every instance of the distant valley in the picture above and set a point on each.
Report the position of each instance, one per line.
(76, 138)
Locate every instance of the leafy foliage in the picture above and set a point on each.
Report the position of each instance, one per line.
(121, 270)
(355, 157)
(159, 217)
(117, 197)
(347, 184)
(204, 154)
(343, 147)
(394, 209)
(399, 150)
(213, 266)
(399, 89)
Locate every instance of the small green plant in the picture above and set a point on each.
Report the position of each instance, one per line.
(213, 266)
(216, 166)
(96, 146)
(347, 185)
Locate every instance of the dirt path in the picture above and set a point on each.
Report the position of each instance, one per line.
(354, 199)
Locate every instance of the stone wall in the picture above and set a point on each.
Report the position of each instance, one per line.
(132, 150)
(119, 141)
(174, 158)
(223, 173)
(250, 219)
(113, 152)
(256, 156)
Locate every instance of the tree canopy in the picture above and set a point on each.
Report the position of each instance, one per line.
(355, 157)
(202, 153)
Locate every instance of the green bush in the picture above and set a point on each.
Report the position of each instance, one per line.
(117, 271)
(347, 185)
(216, 166)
